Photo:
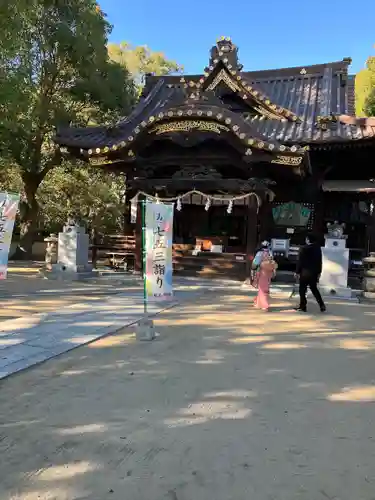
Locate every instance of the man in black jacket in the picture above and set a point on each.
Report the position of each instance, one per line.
(309, 269)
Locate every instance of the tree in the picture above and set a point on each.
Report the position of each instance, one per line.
(55, 70)
(141, 60)
(364, 85)
(94, 196)
(370, 104)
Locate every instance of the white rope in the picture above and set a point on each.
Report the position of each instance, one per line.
(194, 191)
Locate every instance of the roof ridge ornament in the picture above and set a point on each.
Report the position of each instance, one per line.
(225, 54)
(225, 47)
(324, 122)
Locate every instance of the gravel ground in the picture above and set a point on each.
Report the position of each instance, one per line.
(228, 403)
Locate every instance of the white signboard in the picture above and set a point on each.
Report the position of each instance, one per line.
(281, 245)
(158, 246)
(8, 211)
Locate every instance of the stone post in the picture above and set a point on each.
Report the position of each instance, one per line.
(72, 255)
(368, 283)
(51, 251)
(334, 278)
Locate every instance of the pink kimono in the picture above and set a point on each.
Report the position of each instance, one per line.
(264, 277)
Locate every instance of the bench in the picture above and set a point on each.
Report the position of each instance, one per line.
(119, 251)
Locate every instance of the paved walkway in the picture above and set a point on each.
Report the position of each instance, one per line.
(25, 292)
(228, 403)
(89, 312)
(41, 319)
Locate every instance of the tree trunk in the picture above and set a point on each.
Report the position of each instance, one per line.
(29, 210)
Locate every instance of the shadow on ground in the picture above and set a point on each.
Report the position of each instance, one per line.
(26, 292)
(228, 403)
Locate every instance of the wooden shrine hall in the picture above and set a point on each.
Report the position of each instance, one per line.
(288, 135)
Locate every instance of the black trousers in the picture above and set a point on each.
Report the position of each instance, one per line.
(312, 283)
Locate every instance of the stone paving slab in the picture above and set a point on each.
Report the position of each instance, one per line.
(27, 341)
(25, 292)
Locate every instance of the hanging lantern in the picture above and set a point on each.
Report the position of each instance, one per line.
(230, 207)
(179, 204)
(208, 204)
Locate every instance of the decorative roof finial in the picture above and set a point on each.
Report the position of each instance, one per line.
(224, 45)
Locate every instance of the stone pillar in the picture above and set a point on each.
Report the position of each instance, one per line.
(334, 278)
(51, 252)
(368, 283)
(72, 255)
(73, 250)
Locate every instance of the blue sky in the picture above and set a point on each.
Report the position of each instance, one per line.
(269, 33)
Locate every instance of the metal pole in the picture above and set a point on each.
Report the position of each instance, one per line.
(144, 256)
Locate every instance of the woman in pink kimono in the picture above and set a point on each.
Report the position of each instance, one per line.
(265, 268)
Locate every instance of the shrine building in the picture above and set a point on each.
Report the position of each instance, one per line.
(288, 135)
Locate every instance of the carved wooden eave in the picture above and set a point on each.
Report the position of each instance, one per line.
(194, 115)
(103, 160)
(293, 161)
(201, 118)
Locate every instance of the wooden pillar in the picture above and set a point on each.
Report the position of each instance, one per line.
(252, 232)
(319, 227)
(370, 231)
(128, 226)
(314, 194)
(265, 220)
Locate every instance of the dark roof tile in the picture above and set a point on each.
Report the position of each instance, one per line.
(308, 92)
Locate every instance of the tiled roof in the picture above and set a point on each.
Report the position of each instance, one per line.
(311, 92)
(164, 102)
(302, 105)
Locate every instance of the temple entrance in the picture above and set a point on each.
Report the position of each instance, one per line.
(193, 222)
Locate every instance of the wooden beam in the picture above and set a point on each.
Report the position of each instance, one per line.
(205, 185)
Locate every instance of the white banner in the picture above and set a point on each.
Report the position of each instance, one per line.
(158, 251)
(8, 211)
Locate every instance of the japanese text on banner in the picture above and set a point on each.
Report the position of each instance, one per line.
(159, 234)
(8, 212)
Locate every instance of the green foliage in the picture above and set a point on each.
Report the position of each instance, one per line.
(92, 195)
(370, 104)
(59, 74)
(141, 60)
(54, 70)
(57, 69)
(10, 179)
(364, 85)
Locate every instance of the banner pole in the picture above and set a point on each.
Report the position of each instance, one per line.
(144, 256)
